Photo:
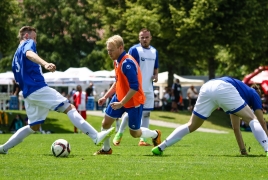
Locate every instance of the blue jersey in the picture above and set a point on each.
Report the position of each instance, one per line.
(147, 58)
(27, 74)
(249, 94)
(130, 70)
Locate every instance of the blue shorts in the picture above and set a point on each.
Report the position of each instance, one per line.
(134, 114)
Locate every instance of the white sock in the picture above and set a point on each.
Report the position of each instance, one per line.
(259, 133)
(124, 123)
(175, 136)
(18, 137)
(106, 144)
(147, 133)
(145, 119)
(145, 122)
(79, 122)
(117, 125)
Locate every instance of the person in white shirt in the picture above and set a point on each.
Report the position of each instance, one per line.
(192, 95)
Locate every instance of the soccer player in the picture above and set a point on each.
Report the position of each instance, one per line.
(232, 96)
(129, 96)
(39, 98)
(254, 102)
(147, 57)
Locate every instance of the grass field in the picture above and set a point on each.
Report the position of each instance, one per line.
(197, 156)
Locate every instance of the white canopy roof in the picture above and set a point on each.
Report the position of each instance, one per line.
(163, 78)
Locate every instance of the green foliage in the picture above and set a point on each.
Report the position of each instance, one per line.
(196, 37)
(9, 15)
(67, 30)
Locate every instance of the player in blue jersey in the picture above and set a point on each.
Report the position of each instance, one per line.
(38, 97)
(233, 96)
(255, 104)
(147, 58)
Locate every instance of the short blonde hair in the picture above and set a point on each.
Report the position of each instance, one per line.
(24, 30)
(116, 40)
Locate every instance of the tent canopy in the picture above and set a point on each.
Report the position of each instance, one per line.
(163, 78)
(78, 72)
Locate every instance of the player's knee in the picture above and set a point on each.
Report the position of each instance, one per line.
(35, 127)
(135, 134)
(65, 107)
(107, 122)
(146, 114)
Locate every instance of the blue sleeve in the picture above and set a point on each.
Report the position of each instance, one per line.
(134, 53)
(256, 101)
(156, 61)
(130, 71)
(29, 46)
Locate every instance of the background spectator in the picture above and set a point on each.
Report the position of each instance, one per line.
(192, 95)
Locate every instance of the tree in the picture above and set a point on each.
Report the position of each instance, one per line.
(9, 13)
(206, 27)
(67, 30)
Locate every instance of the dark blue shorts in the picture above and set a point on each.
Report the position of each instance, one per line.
(134, 114)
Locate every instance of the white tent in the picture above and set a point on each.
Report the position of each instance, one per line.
(7, 75)
(163, 78)
(59, 76)
(7, 79)
(101, 74)
(81, 73)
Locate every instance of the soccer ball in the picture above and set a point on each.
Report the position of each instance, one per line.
(60, 148)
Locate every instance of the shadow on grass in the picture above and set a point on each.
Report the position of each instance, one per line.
(54, 125)
(167, 117)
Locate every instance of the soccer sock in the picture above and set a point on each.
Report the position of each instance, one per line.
(175, 136)
(117, 125)
(124, 123)
(147, 133)
(18, 137)
(145, 119)
(81, 124)
(145, 122)
(106, 144)
(259, 133)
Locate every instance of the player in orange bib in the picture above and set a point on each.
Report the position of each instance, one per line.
(128, 97)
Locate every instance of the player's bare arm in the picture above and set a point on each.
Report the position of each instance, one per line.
(155, 76)
(129, 95)
(35, 58)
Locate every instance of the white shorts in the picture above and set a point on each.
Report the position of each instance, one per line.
(39, 103)
(149, 102)
(215, 94)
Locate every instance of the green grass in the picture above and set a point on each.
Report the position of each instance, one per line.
(197, 156)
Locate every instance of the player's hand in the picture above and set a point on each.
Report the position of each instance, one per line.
(101, 101)
(154, 78)
(116, 105)
(50, 67)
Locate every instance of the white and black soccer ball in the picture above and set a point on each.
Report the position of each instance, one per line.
(60, 148)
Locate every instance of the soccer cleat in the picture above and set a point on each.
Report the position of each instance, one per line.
(157, 140)
(117, 139)
(102, 152)
(103, 135)
(143, 143)
(2, 151)
(157, 151)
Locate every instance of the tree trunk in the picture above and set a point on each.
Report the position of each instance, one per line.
(212, 66)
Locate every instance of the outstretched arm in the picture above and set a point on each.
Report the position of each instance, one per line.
(35, 58)
(239, 139)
